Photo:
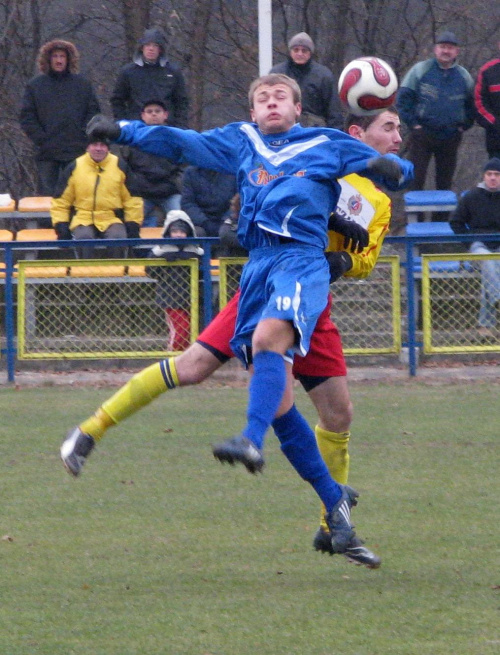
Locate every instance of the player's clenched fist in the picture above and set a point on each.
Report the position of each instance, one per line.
(102, 127)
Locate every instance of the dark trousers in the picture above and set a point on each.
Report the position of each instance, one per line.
(422, 147)
(48, 175)
(114, 231)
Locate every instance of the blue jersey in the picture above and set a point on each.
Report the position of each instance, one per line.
(287, 182)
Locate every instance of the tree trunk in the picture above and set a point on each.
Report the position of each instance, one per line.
(202, 13)
(136, 16)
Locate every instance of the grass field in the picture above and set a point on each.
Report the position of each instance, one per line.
(158, 549)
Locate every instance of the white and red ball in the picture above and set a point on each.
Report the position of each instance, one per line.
(367, 86)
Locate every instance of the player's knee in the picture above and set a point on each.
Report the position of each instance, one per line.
(273, 335)
(195, 365)
(337, 418)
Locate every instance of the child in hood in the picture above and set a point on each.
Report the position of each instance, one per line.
(173, 291)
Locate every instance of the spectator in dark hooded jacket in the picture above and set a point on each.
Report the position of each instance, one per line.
(151, 75)
(56, 107)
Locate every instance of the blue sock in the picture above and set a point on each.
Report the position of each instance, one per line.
(265, 393)
(298, 444)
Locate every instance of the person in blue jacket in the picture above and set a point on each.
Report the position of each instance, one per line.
(287, 180)
(435, 100)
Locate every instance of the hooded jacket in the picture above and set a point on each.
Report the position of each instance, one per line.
(56, 107)
(95, 193)
(140, 82)
(169, 251)
(478, 211)
(174, 282)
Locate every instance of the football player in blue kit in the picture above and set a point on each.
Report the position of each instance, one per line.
(287, 179)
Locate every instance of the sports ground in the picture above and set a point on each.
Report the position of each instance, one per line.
(159, 549)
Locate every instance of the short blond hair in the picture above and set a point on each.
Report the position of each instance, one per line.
(272, 80)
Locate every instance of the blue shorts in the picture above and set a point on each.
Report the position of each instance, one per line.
(288, 282)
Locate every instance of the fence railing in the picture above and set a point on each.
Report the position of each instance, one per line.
(136, 307)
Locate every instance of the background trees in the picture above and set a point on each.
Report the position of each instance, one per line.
(215, 41)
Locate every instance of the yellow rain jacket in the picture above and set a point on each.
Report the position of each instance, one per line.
(95, 194)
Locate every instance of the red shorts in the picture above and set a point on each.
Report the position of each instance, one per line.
(325, 358)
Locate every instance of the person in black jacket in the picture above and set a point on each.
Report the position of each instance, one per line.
(155, 179)
(151, 75)
(478, 211)
(56, 107)
(320, 100)
(205, 197)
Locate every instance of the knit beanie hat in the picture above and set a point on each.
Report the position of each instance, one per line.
(492, 165)
(302, 39)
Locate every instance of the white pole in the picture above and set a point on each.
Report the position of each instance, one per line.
(265, 37)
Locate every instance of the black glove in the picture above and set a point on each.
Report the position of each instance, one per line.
(385, 167)
(63, 232)
(353, 233)
(339, 263)
(133, 229)
(102, 127)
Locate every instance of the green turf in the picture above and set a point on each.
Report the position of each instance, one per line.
(158, 549)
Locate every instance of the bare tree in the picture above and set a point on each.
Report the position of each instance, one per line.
(216, 44)
(136, 18)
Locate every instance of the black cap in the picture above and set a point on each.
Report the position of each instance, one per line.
(492, 165)
(160, 103)
(447, 37)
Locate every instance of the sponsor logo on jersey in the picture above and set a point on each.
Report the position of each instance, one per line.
(260, 177)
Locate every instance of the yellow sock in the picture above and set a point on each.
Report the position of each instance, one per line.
(138, 392)
(333, 448)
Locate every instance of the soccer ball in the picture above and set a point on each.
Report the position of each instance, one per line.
(367, 86)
